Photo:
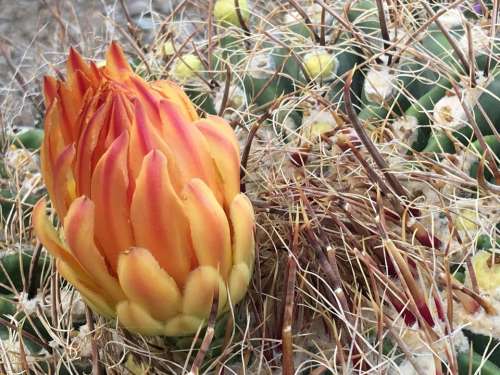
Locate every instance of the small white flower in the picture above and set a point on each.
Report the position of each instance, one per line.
(451, 18)
(449, 112)
(379, 84)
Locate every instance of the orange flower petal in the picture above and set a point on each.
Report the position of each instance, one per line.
(137, 319)
(183, 325)
(158, 219)
(146, 283)
(119, 120)
(243, 224)
(189, 147)
(116, 63)
(49, 90)
(79, 233)
(169, 90)
(109, 192)
(225, 130)
(199, 291)
(87, 145)
(225, 155)
(47, 235)
(53, 145)
(238, 282)
(148, 98)
(144, 138)
(64, 182)
(209, 227)
(79, 74)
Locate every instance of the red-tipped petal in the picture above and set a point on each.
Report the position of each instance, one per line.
(144, 137)
(210, 232)
(169, 90)
(119, 120)
(116, 62)
(49, 90)
(221, 144)
(149, 100)
(109, 193)
(53, 144)
(158, 218)
(86, 148)
(225, 130)
(79, 233)
(80, 76)
(189, 147)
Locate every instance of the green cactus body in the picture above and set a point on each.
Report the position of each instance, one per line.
(373, 113)
(486, 110)
(493, 144)
(7, 204)
(470, 363)
(262, 92)
(231, 51)
(17, 268)
(436, 45)
(486, 242)
(363, 15)
(348, 56)
(32, 325)
(30, 138)
(484, 344)
(203, 100)
(414, 81)
(272, 75)
(420, 113)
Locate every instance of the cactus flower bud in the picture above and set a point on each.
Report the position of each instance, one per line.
(167, 48)
(320, 64)
(487, 272)
(147, 193)
(225, 12)
(186, 67)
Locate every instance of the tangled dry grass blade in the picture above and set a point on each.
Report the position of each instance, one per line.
(377, 213)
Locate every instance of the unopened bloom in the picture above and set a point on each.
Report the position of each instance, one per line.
(153, 221)
(226, 12)
(187, 67)
(320, 64)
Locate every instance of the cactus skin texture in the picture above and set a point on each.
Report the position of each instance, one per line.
(154, 224)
